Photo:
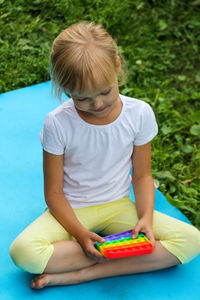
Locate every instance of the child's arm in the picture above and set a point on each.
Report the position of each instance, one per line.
(144, 190)
(60, 207)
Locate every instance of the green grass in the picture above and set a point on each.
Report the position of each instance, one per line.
(160, 42)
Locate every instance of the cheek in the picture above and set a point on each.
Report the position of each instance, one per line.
(83, 105)
(114, 97)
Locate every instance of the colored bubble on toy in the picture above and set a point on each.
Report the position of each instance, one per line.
(122, 245)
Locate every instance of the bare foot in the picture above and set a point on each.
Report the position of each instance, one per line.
(44, 280)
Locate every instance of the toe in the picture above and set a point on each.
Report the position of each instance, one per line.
(38, 282)
(33, 284)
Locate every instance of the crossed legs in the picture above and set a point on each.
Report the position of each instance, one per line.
(69, 265)
(46, 248)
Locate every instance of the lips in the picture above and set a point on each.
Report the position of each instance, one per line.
(101, 109)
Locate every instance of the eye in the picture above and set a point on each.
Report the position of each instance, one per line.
(106, 92)
(81, 100)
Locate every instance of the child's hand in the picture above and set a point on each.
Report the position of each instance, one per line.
(144, 226)
(87, 242)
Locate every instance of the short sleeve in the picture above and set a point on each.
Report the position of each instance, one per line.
(148, 127)
(51, 136)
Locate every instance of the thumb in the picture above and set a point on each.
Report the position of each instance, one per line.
(135, 232)
(98, 238)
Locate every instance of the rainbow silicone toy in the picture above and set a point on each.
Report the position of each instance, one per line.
(122, 245)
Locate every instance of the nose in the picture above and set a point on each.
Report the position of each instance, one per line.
(97, 103)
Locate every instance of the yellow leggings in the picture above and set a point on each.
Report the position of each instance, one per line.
(33, 248)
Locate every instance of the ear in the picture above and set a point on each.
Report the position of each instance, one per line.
(118, 63)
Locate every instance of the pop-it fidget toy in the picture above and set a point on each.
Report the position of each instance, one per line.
(122, 245)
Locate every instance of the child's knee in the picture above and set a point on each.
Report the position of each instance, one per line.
(31, 255)
(185, 244)
(192, 242)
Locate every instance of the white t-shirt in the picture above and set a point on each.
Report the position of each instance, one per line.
(97, 158)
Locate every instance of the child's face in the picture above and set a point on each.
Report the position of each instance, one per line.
(98, 103)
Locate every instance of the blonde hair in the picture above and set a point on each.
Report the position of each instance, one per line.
(78, 53)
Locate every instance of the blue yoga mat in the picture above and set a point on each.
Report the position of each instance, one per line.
(22, 114)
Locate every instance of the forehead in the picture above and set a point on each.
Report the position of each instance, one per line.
(92, 87)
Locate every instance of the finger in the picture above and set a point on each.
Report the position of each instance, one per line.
(96, 255)
(150, 236)
(153, 241)
(93, 251)
(101, 259)
(98, 259)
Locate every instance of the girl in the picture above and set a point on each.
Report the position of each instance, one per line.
(90, 144)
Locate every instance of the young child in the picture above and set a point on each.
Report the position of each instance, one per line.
(90, 143)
